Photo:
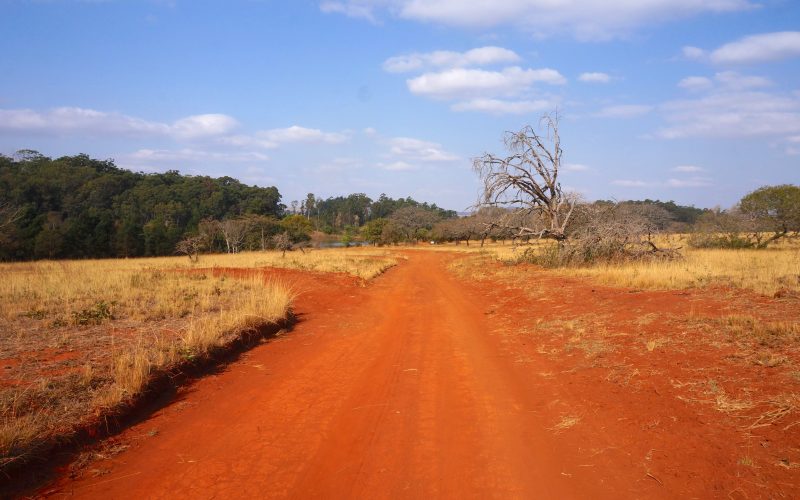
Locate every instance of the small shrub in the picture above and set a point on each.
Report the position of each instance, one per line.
(93, 315)
(729, 241)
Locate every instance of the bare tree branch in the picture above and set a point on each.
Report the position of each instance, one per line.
(526, 183)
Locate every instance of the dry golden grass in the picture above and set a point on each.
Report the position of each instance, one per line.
(83, 337)
(762, 271)
(364, 262)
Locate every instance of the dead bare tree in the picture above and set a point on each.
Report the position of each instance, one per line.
(282, 242)
(233, 232)
(191, 246)
(526, 182)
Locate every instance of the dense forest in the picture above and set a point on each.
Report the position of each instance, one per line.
(79, 207)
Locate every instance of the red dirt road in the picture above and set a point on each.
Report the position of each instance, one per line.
(400, 389)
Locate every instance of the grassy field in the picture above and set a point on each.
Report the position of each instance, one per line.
(767, 272)
(81, 339)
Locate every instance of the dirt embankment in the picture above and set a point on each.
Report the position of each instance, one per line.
(426, 384)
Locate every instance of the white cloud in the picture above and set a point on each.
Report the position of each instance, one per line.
(688, 169)
(461, 83)
(694, 53)
(193, 155)
(356, 9)
(72, 120)
(274, 138)
(594, 77)
(730, 112)
(208, 125)
(737, 81)
(482, 56)
(727, 80)
(759, 48)
(503, 107)
(588, 19)
(575, 167)
(296, 133)
(417, 149)
(631, 183)
(695, 83)
(398, 166)
(692, 182)
(68, 120)
(624, 111)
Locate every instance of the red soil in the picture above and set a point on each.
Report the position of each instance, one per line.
(424, 384)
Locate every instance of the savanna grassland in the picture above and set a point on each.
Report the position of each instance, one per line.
(81, 340)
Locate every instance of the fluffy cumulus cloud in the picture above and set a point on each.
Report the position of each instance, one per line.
(408, 148)
(482, 56)
(199, 126)
(588, 19)
(753, 49)
(594, 77)
(759, 48)
(464, 83)
(458, 77)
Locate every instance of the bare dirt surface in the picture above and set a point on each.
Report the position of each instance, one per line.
(427, 384)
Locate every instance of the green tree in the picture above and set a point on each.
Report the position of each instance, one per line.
(775, 209)
(297, 227)
(373, 230)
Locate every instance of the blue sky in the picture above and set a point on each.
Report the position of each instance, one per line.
(694, 101)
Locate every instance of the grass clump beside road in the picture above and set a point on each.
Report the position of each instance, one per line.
(80, 340)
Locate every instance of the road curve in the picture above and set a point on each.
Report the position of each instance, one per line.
(395, 390)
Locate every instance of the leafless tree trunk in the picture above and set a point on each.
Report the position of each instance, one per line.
(191, 247)
(233, 231)
(526, 182)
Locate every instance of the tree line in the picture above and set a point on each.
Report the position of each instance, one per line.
(80, 207)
